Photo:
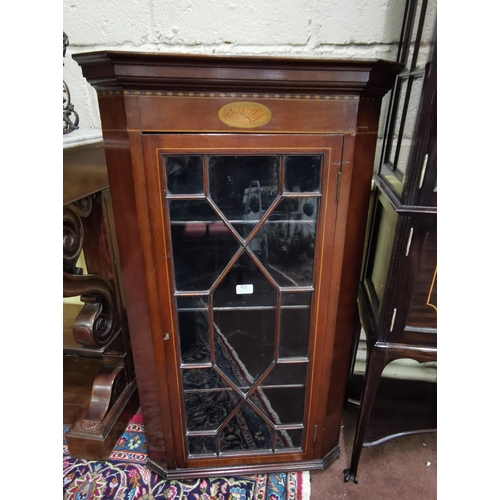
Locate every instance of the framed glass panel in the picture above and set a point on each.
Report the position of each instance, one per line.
(294, 331)
(242, 255)
(285, 404)
(287, 374)
(243, 187)
(289, 438)
(208, 400)
(193, 321)
(288, 239)
(246, 339)
(201, 445)
(246, 431)
(302, 173)
(398, 131)
(184, 174)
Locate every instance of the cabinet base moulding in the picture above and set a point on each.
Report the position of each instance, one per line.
(244, 470)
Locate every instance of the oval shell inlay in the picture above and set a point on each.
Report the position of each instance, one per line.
(245, 114)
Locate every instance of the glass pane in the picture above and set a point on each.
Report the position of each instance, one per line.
(201, 445)
(245, 286)
(193, 330)
(244, 229)
(427, 32)
(409, 126)
(413, 48)
(284, 405)
(201, 250)
(191, 211)
(207, 399)
(383, 238)
(294, 332)
(287, 374)
(287, 240)
(243, 187)
(192, 303)
(246, 342)
(302, 173)
(384, 109)
(399, 125)
(184, 174)
(296, 298)
(290, 438)
(245, 431)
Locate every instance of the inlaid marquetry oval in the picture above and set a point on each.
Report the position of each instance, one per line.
(245, 114)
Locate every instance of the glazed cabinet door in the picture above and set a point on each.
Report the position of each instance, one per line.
(241, 226)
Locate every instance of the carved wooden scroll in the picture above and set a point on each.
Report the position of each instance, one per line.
(97, 321)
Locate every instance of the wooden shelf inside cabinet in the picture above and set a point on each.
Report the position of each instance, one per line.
(99, 387)
(240, 190)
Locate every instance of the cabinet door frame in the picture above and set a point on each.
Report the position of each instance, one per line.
(324, 296)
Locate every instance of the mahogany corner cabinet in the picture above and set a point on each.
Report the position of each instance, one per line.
(240, 188)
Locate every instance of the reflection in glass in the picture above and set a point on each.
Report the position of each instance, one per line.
(201, 445)
(243, 187)
(397, 136)
(287, 374)
(294, 332)
(184, 174)
(240, 313)
(287, 404)
(207, 399)
(191, 303)
(281, 405)
(288, 239)
(191, 211)
(247, 341)
(193, 330)
(409, 126)
(245, 272)
(289, 438)
(302, 173)
(296, 298)
(201, 250)
(245, 431)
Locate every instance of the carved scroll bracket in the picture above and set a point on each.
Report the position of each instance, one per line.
(107, 387)
(73, 233)
(97, 321)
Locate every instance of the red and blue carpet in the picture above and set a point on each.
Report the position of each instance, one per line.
(125, 476)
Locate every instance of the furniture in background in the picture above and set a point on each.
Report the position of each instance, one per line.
(99, 388)
(240, 190)
(398, 290)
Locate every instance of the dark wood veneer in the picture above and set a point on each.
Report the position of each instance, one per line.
(398, 289)
(152, 104)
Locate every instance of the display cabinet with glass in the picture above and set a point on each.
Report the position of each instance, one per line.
(240, 187)
(398, 289)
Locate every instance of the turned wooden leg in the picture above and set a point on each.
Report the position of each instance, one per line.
(375, 365)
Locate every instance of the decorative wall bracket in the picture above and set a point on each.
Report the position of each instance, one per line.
(70, 116)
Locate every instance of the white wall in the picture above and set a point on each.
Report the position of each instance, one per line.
(310, 28)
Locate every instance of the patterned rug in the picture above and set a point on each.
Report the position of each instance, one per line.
(125, 476)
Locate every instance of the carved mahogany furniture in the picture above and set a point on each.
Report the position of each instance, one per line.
(398, 291)
(99, 388)
(240, 189)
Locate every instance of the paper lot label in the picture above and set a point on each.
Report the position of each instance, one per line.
(241, 289)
